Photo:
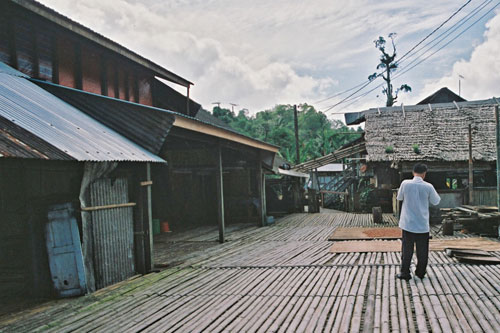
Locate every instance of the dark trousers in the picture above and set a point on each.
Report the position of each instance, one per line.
(410, 239)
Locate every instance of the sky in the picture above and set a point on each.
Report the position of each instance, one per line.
(261, 53)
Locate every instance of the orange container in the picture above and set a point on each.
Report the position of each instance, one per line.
(165, 227)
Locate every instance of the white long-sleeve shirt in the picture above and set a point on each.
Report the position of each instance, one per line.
(416, 196)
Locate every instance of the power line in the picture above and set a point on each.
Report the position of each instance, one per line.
(453, 28)
(408, 69)
(354, 93)
(364, 84)
(338, 94)
(450, 41)
(433, 31)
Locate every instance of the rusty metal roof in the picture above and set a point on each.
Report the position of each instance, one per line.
(53, 123)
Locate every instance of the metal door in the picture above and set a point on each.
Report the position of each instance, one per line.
(65, 251)
(112, 232)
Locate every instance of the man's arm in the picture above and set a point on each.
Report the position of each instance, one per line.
(434, 197)
(400, 196)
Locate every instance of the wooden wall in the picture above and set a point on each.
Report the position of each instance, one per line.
(185, 191)
(27, 187)
(46, 51)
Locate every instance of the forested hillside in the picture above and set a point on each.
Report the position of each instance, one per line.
(318, 135)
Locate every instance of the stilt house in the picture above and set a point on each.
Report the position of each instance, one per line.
(93, 148)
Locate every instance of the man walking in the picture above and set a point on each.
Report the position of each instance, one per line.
(414, 220)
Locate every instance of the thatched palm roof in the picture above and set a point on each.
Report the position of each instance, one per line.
(439, 130)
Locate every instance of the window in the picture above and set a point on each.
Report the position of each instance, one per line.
(452, 183)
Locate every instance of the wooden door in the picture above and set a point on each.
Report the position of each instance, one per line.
(65, 251)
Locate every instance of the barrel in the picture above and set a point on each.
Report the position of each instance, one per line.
(377, 215)
(447, 228)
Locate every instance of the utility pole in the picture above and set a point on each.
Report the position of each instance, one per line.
(471, 171)
(498, 155)
(460, 85)
(217, 103)
(296, 123)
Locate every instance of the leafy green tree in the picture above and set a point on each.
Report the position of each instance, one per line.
(388, 63)
(318, 136)
(225, 115)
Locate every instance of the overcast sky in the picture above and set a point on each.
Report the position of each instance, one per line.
(261, 53)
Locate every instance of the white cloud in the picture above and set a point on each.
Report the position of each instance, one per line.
(481, 71)
(260, 53)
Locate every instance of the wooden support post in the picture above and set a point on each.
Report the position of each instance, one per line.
(498, 154)
(261, 189)
(116, 80)
(263, 199)
(143, 221)
(471, 172)
(55, 60)
(126, 86)
(220, 195)
(103, 70)
(35, 53)
(149, 222)
(11, 31)
(78, 71)
(250, 194)
(187, 101)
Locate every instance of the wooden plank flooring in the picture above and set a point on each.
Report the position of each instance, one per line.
(283, 279)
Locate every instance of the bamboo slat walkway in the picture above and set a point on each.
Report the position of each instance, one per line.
(283, 279)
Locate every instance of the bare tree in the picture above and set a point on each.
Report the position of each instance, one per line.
(388, 63)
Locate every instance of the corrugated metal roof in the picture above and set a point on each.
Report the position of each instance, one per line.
(332, 167)
(15, 141)
(337, 155)
(166, 97)
(146, 126)
(4, 68)
(63, 126)
(292, 173)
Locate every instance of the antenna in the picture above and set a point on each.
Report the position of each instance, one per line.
(232, 106)
(460, 84)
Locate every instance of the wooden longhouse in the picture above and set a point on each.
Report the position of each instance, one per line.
(437, 134)
(71, 200)
(119, 140)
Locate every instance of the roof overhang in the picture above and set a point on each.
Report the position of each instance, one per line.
(354, 118)
(39, 125)
(292, 173)
(337, 155)
(200, 127)
(99, 39)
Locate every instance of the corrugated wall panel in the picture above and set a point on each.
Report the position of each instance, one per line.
(485, 196)
(113, 237)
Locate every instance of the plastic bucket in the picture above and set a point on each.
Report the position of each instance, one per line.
(156, 226)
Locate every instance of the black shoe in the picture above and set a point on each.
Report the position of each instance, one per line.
(420, 276)
(403, 277)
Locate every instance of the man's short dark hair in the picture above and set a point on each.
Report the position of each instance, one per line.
(420, 168)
